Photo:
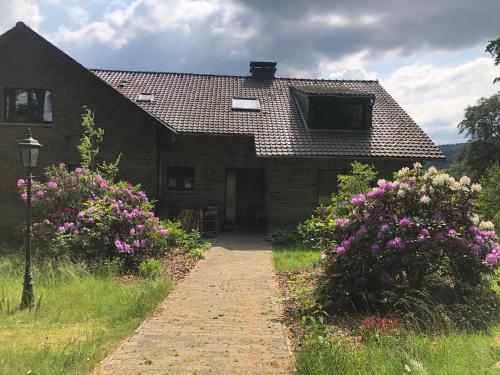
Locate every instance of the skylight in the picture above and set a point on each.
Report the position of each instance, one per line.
(245, 104)
(145, 97)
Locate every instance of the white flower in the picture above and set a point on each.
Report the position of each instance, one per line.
(432, 170)
(474, 218)
(417, 165)
(486, 225)
(425, 199)
(403, 172)
(455, 185)
(381, 181)
(401, 193)
(440, 179)
(476, 188)
(464, 180)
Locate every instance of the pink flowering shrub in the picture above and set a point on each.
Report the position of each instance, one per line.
(404, 232)
(82, 214)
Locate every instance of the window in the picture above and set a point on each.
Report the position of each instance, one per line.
(180, 178)
(340, 113)
(145, 97)
(328, 184)
(28, 105)
(245, 104)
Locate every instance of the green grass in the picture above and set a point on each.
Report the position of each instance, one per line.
(294, 258)
(80, 319)
(451, 354)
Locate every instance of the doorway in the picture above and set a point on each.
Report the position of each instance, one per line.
(245, 195)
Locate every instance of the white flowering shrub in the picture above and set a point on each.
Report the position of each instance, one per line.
(401, 233)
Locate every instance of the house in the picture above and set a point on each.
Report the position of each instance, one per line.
(251, 145)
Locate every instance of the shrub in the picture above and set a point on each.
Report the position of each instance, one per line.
(151, 269)
(85, 216)
(187, 242)
(283, 237)
(402, 232)
(489, 198)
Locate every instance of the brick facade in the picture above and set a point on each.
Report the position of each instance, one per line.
(28, 61)
(291, 183)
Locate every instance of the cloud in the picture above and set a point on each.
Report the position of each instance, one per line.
(435, 97)
(19, 10)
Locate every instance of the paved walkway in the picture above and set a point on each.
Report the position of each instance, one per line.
(222, 319)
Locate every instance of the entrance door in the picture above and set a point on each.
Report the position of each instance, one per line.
(245, 195)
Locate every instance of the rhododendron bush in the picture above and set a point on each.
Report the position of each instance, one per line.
(84, 215)
(405, 232)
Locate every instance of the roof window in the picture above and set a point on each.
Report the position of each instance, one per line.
(145, 97)
(245, 104)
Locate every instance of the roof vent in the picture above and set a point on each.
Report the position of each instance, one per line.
(262, 69)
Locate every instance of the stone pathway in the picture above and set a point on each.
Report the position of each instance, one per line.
(222, 319)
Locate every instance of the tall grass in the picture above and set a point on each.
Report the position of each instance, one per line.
(457, 353)
(80, 316)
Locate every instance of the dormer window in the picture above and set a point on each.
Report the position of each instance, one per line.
(336, 108)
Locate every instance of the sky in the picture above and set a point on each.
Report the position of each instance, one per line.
(428, 54)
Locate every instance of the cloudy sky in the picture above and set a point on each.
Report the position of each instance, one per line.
(428, 54)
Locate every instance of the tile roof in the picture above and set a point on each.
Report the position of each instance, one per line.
(201, 103)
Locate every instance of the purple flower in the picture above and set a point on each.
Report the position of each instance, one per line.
(361, 232)
(375, 193)
(393, 217)
(474, 230)
(20, 182)
(164, 232)
(342, 223)
(489, 234)
(452, 233)
(40, 193)
(78, 170)
(139, 228)
(375, 248)
(421, 238)
(118, 245)
(61, 229)
(424, 232)
(340, 250)
(386, 186)
(475, 250)
(358, 199)
(52, 184)
(479, 240)
(345, 244)
(491, 259)
(24, 196)
(80, 215)
(405, 222)
(396, 243)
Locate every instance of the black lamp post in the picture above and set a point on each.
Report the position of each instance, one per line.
(29, 157)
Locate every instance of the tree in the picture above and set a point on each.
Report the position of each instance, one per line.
(481, 125)
(493, 47)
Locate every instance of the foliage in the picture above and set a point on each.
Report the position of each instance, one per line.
(80, 318)
(85, 216)
(450, 151)
(151, 268)
(493, 47)
(481, 124)
(322, 223)
(89, 147)
(283, 237)
(188, 242)
(401, 233)
(489, 198)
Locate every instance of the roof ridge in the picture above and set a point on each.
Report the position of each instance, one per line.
(231, 75)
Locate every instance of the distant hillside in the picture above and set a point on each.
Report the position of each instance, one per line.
(449, 151)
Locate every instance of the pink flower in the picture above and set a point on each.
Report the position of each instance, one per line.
(404, 222)
(52, 184)
(340, 250)
(452, 233)
(62, 165)
(40, 193)
(491, 259)
(20, 182)
(24, 196)
(396, 243)
(358, 199)
(78, 170)
(375, 248)
(164, 232)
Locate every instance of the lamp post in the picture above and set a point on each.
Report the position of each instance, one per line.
(28, 148)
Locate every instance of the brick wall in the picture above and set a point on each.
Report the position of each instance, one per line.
(291, 183)
(29, 62)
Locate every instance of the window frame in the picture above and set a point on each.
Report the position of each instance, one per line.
(237, 109)
(178, 188)
(145, 100)
(32, 121)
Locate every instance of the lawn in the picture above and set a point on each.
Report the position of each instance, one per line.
(81, 317)
(294, 258)
(328, 351)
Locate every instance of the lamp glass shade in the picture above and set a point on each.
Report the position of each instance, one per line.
(28, 149)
